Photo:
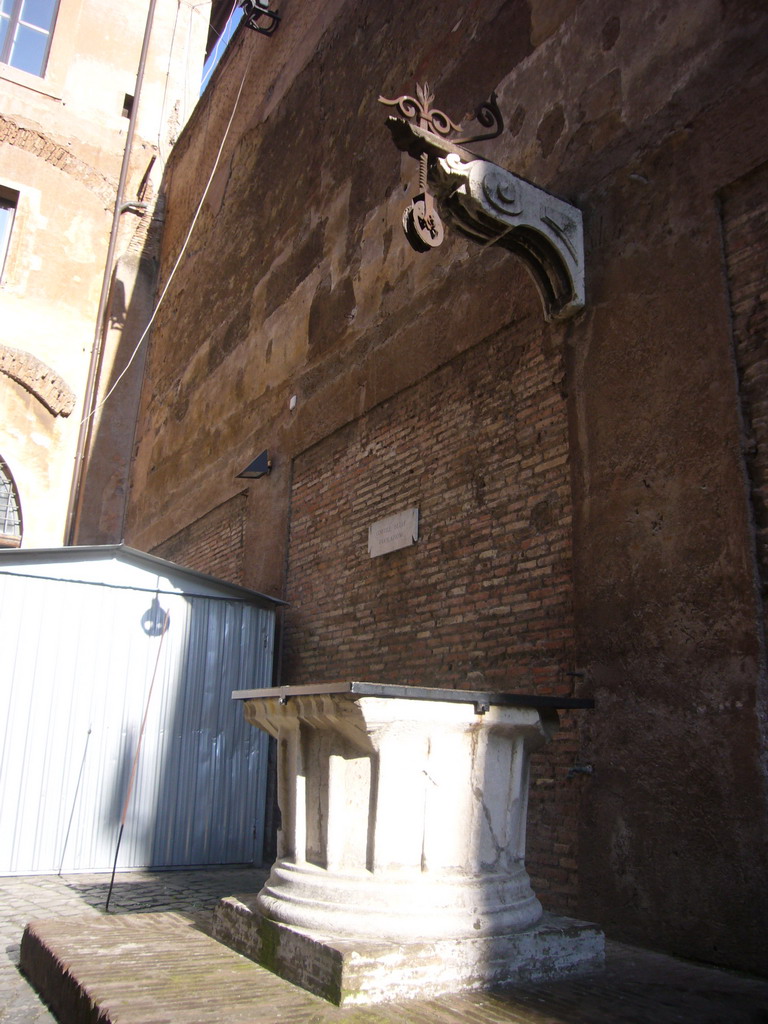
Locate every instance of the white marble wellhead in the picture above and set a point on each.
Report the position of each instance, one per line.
(403, 821)
(400, 818)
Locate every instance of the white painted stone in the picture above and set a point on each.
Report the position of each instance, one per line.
(365, 971)
(397, 531)
(491, 205)
(401, 818)
(403, 823)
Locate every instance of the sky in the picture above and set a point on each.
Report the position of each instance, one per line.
(216, 53)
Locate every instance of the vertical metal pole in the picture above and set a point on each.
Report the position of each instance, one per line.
(91, 388)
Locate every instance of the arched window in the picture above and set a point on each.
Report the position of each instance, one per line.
(10, 510)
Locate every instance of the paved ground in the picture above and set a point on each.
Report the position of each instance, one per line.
(636, 987)
(45, 896)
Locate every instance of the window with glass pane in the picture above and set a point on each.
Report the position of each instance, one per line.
(10, 512)
(8, 201)
(25, 33)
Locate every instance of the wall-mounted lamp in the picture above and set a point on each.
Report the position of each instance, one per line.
(261, 466)
(254, 11)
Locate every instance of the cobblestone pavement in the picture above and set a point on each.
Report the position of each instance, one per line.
(30, 897)
(637, 987)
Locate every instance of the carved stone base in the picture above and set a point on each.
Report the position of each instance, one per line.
(358, 971)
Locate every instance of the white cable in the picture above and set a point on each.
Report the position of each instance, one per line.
(193, 11)
(181, 253)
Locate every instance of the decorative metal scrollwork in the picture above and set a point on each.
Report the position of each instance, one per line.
(421, 222)
(420, 107)
(489, 116)
(486, 202)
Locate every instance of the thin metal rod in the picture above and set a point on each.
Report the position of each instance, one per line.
(135, 766)
(114, 868)
(84, 436)
(74, 801)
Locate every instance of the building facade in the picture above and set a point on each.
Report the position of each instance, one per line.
(591, 492)
(74, 92)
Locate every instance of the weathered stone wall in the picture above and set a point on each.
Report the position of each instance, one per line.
(298, 284)
(745, 228)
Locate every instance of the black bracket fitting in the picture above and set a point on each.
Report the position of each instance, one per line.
(254, 11)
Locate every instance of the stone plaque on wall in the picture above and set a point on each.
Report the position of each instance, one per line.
(397, 531)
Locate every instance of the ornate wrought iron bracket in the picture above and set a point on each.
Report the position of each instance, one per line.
(492, 206)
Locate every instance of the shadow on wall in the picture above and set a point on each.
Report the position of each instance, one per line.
(109, 445)
(201, 774)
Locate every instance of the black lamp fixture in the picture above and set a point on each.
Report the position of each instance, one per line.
(261, 466)
(254, 11)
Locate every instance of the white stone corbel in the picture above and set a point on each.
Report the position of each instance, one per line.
(493, 206)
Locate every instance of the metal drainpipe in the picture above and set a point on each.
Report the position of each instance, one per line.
(91, 388)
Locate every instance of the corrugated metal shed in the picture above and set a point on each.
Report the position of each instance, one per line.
(82, 640)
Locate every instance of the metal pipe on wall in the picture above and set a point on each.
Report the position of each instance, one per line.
(91, 388)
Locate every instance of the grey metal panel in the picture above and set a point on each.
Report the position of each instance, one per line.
(210, 800)
(79, 668)
(116, 564)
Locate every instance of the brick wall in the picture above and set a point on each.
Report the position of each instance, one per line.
(42, 145)
(213, 544)
(480, 447)
(745, 227)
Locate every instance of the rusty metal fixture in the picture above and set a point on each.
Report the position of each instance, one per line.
(489, 116)
(254, 11)
(420, 107)
(421, 222)
(486, 202)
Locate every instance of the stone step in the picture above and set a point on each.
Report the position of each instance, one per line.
(150, 969)
(159, 968)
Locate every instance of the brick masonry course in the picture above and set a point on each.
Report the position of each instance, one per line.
(149, 962)
(213, 544)
(33, 141)
(484, 597)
